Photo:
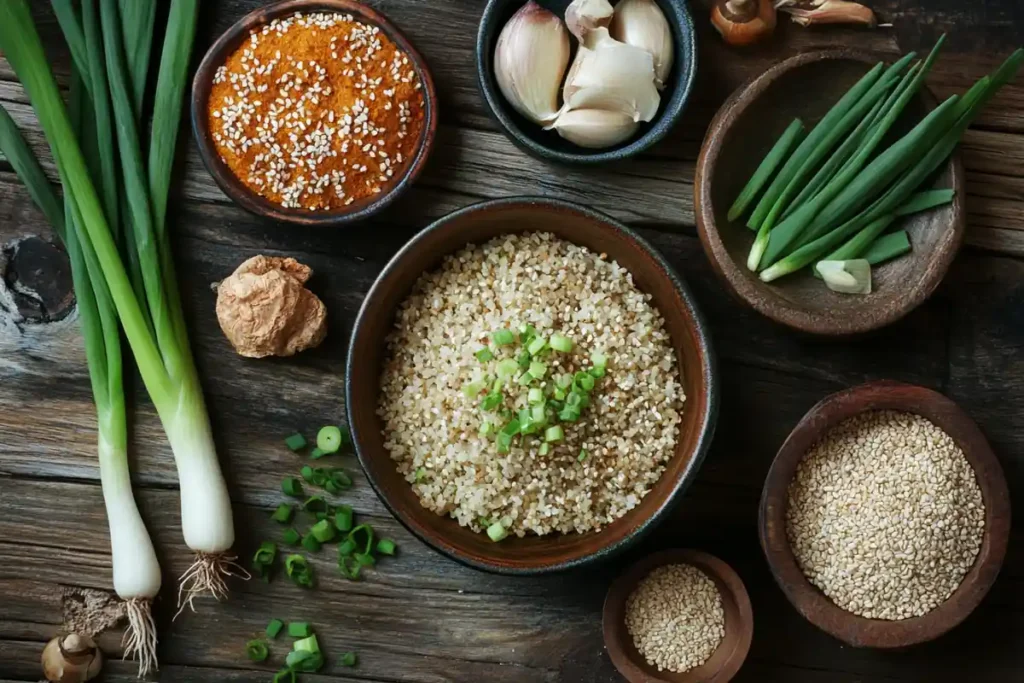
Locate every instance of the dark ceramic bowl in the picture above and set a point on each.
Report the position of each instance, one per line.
(238, 191)
(814, 605)
(550, 145)
(745, 128)
(726, 660)
(476, 224)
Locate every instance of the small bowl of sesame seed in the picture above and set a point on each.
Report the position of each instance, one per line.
(314, 112)
(885, 516)
(678, 616)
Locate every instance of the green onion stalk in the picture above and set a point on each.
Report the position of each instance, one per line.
(153, 324)
(136, 572)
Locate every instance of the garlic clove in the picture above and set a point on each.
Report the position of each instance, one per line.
(608, 99)
(811, 12)
(641, 23)
(595, 128)
(529, 61)
(583, 16)
(617, 72)
(846, 277)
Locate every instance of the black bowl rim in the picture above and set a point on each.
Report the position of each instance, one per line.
(256, 204)
(667, 118)
(709, 371)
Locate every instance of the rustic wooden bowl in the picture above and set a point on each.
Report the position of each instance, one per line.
(549, 145)
(739, 622)
(740, 135)
(238, 191)
(476, 224)
(812, 603)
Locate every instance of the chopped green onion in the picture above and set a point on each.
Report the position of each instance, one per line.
(569, 414)
(323, 531)
(599, 359)
(298, 570)
(484, 355)
(346, 547)
(583, 455)
(307, 473)
(296, 442)
(329, 439)
(538, 414)
(386, 546)
(473, 389)
(263, 559)
(526, 333)
(274, 628)
(922, 201)
(545, 448)
(503, 338)
(538, 369)
(292, 537)
(535, 395)
(284, 676)
(553, 434)
(365, 559)
(504, 442)
(299, 629)
(301, 660)
(598, 371)
(524, 379)
(558, 394)
(506, 368)
(421, 474)
(367, 530)
(537, 345)
(497, 532)
(340, 478)
(561, 343)
(316, 454)
(311, 543)
(307, 644)
(778, 154)
(523, 361)
(486, 428)
(584, 381)
(349, 568)
(283, 513)
(512, 427)
(888, 247)
(316, 504)
(292, 487)
(563, 381)
(491, 401)
(257, 650)
(343, 518)
(348, 659)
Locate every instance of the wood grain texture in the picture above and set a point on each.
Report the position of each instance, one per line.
(422, 618)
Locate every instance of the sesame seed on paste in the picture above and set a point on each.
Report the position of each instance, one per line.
(310, 111)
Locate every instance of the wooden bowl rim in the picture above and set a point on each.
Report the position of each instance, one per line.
(708, 408)
(758, 295)
(202, 85)
(729, 584)
(681, 21)
(809, 600)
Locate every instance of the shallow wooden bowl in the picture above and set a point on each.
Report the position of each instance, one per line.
(476, 224)
(740, 135)
(550, 145)
(218, 54)
(811, 602)
(739, 622)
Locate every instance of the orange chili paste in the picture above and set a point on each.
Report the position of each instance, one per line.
(317, 111)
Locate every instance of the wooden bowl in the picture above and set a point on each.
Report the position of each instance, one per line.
(236, 189)
(739, 622)
(476, 224)
(549, 145)
(740, 135)
(811, 602)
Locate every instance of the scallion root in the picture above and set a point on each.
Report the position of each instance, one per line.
(139, 640)
(208, 575)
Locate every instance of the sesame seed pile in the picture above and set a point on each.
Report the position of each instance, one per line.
(630, 429)
(676, 618)
(317, 111)
(885, 515)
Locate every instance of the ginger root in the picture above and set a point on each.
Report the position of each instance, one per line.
(265, 309)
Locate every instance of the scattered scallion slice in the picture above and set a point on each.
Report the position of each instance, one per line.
(554, 434)
(291, 537)
(348, 659)
(535, 396)
(295, 442)
(561, 343)
(346, 547)
(386, 546)
(298, 570)
(343, 518)
(257, 650)
(503, 338)
(491, 401)
(311, 543)
(497, 532)
(284, 676)
(274, 628)
(524, 379)
(486, 428)
(299, 629)
(420, 474)
(283, 513)
(473, 389)
(545, 448)
(329, 439)
(367, 531)
(316, 504)
(364, 559)
(324, 531)
(537, 345)
(263, 559)
(507, 368)
(583, 455)
(307, 474)
(292, 487)
(316, 454)
(484, 355)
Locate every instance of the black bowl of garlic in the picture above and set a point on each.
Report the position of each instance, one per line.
(586, 81)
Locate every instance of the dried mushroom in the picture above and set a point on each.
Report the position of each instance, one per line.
(265, 309)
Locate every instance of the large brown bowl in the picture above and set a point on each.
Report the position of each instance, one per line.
(814, 605)
(726, 660)
(745, 128)
(234, 188)
(476, 224)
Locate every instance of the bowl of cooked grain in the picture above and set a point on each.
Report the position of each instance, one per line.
(885, 516)
(314, 112)
(678, 616)
(529, 386)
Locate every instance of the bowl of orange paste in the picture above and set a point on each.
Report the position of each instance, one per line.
(314, 113)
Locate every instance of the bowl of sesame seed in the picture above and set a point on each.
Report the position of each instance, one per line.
(316, 113)
(885, 516)
(530, 387)
(678, 616)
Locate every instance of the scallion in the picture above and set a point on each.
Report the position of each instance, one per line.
(554, 434)
(299, 629)
(922, 201)
(537, 345)
(346, 547)
(274, 628)
(503, 338)
(343, 518)
(561, 343)
(257, 650)
(775, 158)
(497, 532)
(329, 439)
(283, 513)
(348, 659)
(311, 543)
(484, 355)
(386, 546)
(583, 455)
(888, 247)
(291, 487)
(291, 537)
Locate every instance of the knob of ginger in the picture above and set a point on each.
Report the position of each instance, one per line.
(265, 309)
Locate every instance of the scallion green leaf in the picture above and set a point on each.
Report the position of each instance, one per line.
(274, 628)
(561, 343)
(283, 513)
(257, 650)
(503, 338)
(348, 659)
(295, 442)
(386, 546)
(299, 629)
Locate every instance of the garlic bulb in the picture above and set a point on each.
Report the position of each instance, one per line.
(583, 16)
(595, 128)
(610, 72)
(846, 277)
(641, 23)
(530, 60)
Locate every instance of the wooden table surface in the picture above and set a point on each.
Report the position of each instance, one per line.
(421, 617)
